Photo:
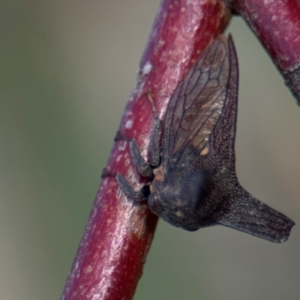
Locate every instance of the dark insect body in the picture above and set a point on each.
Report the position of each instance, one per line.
(194, 180)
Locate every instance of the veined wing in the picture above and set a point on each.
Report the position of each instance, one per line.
(197, 103)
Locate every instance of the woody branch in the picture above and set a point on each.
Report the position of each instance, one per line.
(118, 234)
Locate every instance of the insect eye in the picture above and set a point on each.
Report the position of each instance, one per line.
(146, 191)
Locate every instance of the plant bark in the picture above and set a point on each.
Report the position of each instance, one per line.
(276, 23)
(119, 232)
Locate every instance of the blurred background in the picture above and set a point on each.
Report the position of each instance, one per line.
(67, 69)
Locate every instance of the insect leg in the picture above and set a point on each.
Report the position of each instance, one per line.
(106, 173)
(129, 191)
(126, 188)
(154, 147)
(154, 143)
(143, 167)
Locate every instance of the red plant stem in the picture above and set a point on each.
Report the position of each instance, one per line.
(277, 25)
(119, 232)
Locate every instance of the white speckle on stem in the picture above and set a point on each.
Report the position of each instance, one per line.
(88, 269)
(119, 158)
(128, 124)
(147, 68)
(122, 146)
(127, 162)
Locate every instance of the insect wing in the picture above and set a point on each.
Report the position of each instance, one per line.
(197, 103)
